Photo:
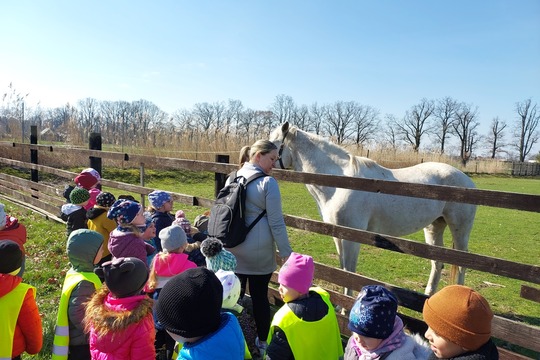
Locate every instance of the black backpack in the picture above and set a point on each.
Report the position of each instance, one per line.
(227, 217)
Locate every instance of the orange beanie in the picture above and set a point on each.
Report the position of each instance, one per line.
(461, 315)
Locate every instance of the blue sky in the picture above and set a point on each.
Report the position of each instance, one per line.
(386, 54)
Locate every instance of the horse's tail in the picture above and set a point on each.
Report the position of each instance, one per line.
(454, 271)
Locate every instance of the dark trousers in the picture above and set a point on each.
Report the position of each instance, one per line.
(79, 352)
(258, 290)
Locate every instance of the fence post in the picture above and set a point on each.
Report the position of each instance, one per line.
(94, 143)
(141, 182)
(219, 179)
(34, 153)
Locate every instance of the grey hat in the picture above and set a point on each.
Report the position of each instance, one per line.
(172, 237)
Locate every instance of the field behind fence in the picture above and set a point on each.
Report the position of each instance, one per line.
(45, 196)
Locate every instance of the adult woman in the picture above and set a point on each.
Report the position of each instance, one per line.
(256, 259)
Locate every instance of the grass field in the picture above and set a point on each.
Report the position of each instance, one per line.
(508, 234)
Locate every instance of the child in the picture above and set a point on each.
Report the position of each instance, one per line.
(201, 222)
(119, 318)
(161, 204)
(377, 332)
(216, 256)
(89, 179)
(74, 213)
(126, 240)
(189, 307)
(167, 263)
(98, 221)
(11, 229)
(305, 327)
(22, 330)
(84, 249)
(231, 294)
(459, 321)
(180, 220)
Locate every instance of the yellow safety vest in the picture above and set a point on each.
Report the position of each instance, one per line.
(304, 336)
(10, 306)
(61, 332)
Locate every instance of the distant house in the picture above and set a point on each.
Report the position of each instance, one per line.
(48, 135)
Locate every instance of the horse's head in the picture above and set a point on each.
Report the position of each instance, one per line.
(279, 137)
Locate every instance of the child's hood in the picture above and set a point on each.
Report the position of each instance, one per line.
(94, 212)
(82, 247)
(69, 208)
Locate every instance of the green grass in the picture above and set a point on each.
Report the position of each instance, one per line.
(508, 234)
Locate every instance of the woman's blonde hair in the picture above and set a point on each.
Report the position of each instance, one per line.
(260, 146)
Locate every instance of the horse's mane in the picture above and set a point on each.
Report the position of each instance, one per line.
(356, 162)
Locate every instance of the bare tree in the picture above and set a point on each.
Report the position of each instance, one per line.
(390, 132)
(316, 116)
(232, 115)
(365, 122)
(339, 120)
(465, 126)
(495, 136)
(300, 117)
(415, 123)
(205, 115)
(444, 114)
(526, 126)
(88, 117)
(283, 108)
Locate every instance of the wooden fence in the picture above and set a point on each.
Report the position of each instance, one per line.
(47, 198)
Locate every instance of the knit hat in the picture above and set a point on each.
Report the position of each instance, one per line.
(297, 272)
(231, 289)
(374, 312)
(216, 256)
(11, 256)
(86, 180)
(190, 303)
(124, 211)
(2, 215)
(124, 276)
(105, 199)
(157, 198)
(79, 195)
(184, 224)
(459, 314)
(94, 173)
(180, 214)
(82, 247)
(172, 237)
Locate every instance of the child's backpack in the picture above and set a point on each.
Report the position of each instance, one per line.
(227, 216)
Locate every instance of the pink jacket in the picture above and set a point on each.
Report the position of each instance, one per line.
(127, 324)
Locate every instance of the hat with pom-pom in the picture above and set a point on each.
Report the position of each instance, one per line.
(297, 272)
(79, 195)
(124, 211)
(374, 312)
(124, 276)
(216, 256)
(190, 303)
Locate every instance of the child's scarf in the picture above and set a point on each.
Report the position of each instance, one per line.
(391, 343)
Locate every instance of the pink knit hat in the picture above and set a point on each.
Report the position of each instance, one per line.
(297, 272)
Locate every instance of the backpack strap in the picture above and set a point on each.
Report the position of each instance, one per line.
(250, 179)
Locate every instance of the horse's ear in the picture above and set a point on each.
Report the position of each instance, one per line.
(285, 127)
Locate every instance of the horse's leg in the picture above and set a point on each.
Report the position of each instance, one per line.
(350, 253)
(434, 236)
(460, 226)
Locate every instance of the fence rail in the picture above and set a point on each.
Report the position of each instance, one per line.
(48, 199)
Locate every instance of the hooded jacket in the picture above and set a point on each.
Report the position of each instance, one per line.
(28, 331)
(98, 221)
(14, 231)
(129, 244)
(120, 329)
(74, 216)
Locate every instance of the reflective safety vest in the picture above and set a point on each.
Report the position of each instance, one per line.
(10, 306)
(319, 339)
(61, 332)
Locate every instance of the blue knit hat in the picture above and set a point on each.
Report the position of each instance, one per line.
(124, 211)
(374, 312)
(158, 197)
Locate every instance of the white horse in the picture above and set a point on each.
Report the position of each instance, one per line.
(381, 213)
